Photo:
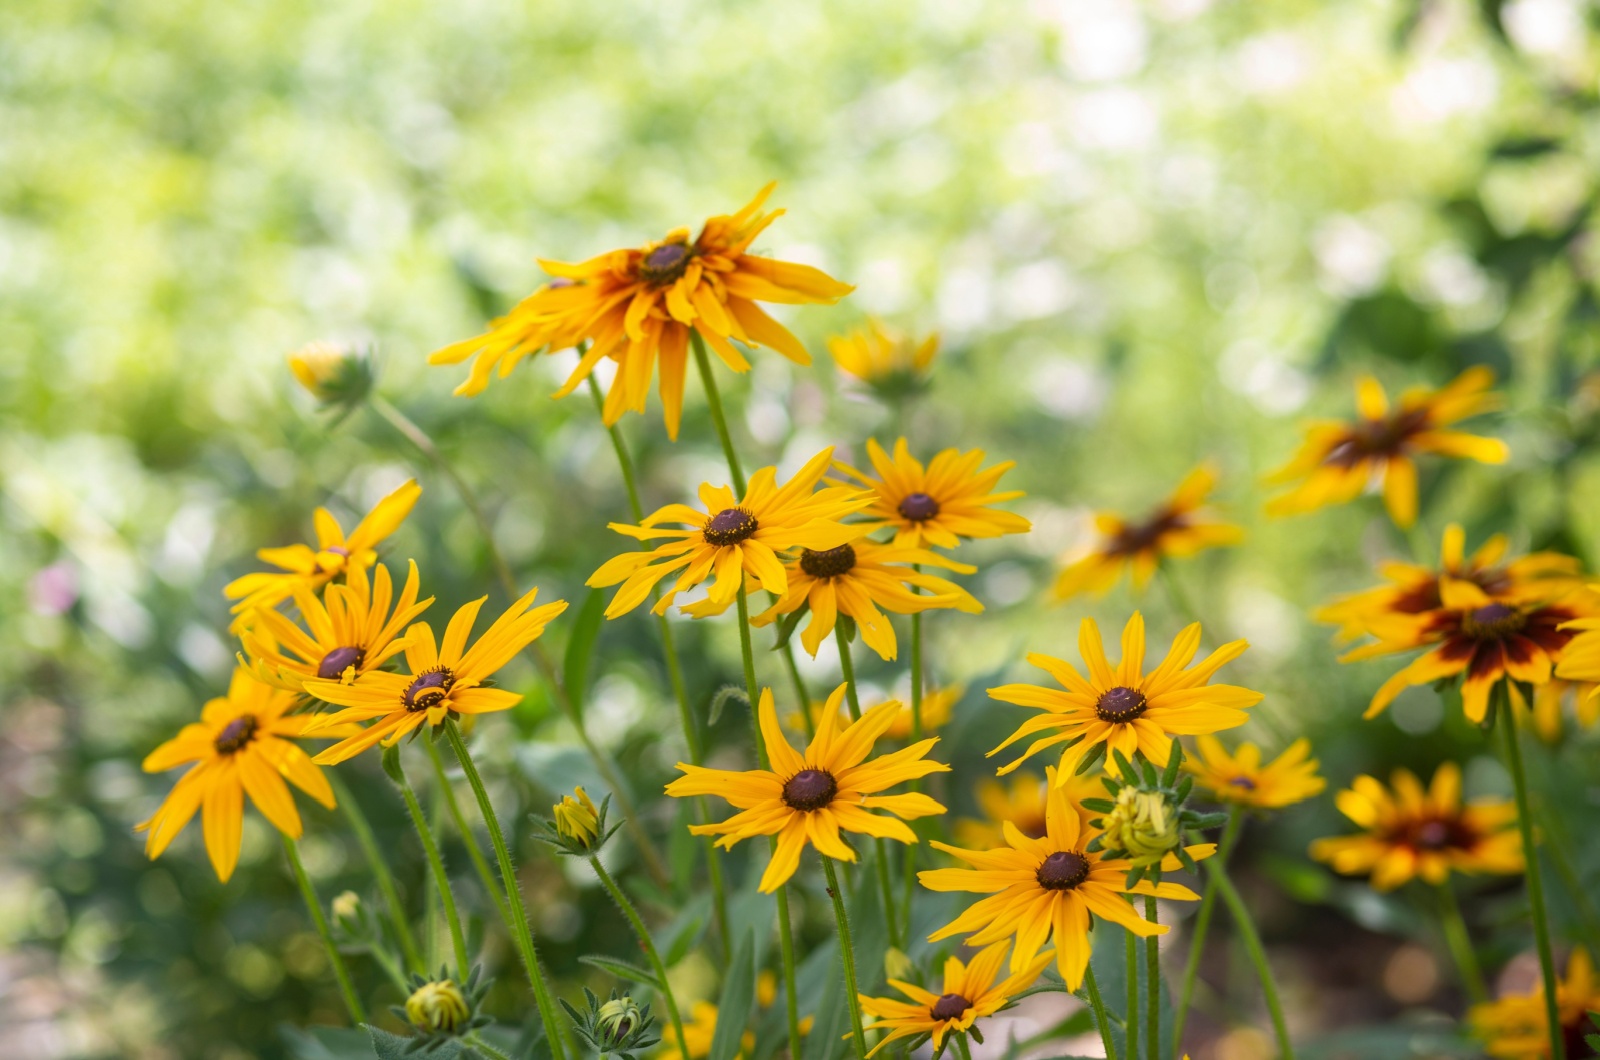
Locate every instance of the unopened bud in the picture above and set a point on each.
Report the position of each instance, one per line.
(618, 1017)
(333, 373)
(438, 1007)
(576, 818)
(1143, 824)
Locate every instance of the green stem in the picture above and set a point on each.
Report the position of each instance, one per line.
(1459, 941)
(477, 1042)
(680, 689)
(352, 1003)
(1130, 1022)
(1541, 926)
(847, 951)
(1202, 925)
(802, 696)
(389, 967)
(448, 793)
(909, 854)
(441, 878)
(1258, 955)
(714, 403)
(853, 698)
(1152, 977)
(380, 871)
(517, 922)
(1101, 1020)
(645, 943)
(961, 1045)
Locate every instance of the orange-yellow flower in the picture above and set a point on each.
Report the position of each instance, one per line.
(640, 306)
(1338, 461)
(891, 363)
(1022, 805)
(968, 994)
(1517, 1027)
(938, 505)
(1241, 777)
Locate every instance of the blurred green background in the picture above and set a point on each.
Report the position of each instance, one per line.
(1150, 233)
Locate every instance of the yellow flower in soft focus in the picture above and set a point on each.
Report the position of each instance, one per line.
(1410, 832)
(936, 707)
(808, 799)
(1125, 708)
(311, 568)
(576, 817)
(1580, 660)
(891, 363)
(1414, 589)
(348, 632)
(1181, 526)
(1517, 1028)
(445, 678)
(1044, 890)
(733, 537)
(858, 578)
(1021, 803)
(1550, 701)
(938, 505)
(240, 745)
(337, 375)
(1339, 461)
(968, 994)
(767, 995)
(438, 1007)
(1241, 777)
(698, 1031)
(638, 307)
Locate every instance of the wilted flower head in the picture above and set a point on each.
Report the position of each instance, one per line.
(337, 374)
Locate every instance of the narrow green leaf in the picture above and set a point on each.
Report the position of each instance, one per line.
(738, 995)
(580, 648)
(620, 969)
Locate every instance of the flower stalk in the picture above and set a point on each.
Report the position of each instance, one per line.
(368, 842)
(643, 935)
(1459, 942)
(853, 698)
(430, 847)
(847, 952)
(1258, 955)
(1101, 1019)
(352, 1002)
(1202, 925)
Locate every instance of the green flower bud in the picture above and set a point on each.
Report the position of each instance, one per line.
(1144, 824)
(618, 1017)
(438, 1007)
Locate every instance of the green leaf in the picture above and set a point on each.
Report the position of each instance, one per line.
(620, 969)
(326, 1043)
(393, 1047)
(391, 764)
(580, 648)
(788, 623)
(738, 996)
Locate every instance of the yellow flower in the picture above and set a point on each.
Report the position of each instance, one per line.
(1477, 637)
(335, 554)
(348, 632)
(576, 817)
(1044, 890)
(936, 706)
(949, 500)
(1338, 461)
(1517, 1028)
(1549, 706)
(732, 537)
(1180, 527)
(1580, 661)
(438, 1007)
(1125, 708)
(856, 579)
(240, 745)
(1241, 778)
(1414, 589)
(698, 1031)
(333, 373)
(811, 798)
(890, 362)
(444, 679)
(639, 306)
(1411, 832)
(969, 993)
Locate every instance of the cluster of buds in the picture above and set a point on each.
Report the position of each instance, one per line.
(338, 375)
(617, 1026)
(576, 826)
(1146, 818)
(441, 1010)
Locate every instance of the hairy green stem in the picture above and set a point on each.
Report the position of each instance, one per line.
(1258, 955)
(517, 922)
(380, 871)
(645, 943)
(1152, 976)
(1459, 941)
(853, 698)
(1102, 1021)
(441, 878)
(352, 1002)
(477, 1042)
(1130, 1022)
(1202, 925)
(714, 403)
(448, 793)
(847, 951)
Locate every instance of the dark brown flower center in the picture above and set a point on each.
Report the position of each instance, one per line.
(1142, 537)
(429, 689)
(918, 507)
(665, 263)
(1242, 782)
(1120, 705)
(949, 1007)
(1493, 621)
(828, 564)
(729, 527)
(1062, 871)
(339, 660)
(810, 789)
(1383, 437)
(235, 734)
(1435, 834)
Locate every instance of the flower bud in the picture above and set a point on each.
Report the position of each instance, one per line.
(576, 818)
(334, 373)
(1143, 824)
(438, 1007)
(346, 907)
(618, 1017)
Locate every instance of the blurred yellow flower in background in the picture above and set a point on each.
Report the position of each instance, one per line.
(892, 363)
(1241, 777)
(936, 707)
(336, 374)
(938, 505)
(1021, 802)
(1339, 461)
(1410, 832)
(1517, 1027)
(1182, 526)
(969, 992)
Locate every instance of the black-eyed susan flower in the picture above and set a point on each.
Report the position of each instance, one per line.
(1413, 589)
(1045, 890)
(348, 632)
(861, 579)
(892, 363)
(1339, 461)
(1021, 803)
(1477, 638)
(938, 505)
(1517, 1027)
(1409, 832)
(445, 678)
(241, 745)
(937, 704)
(638, 307)
(811, 798)
(1181, 526)
(733, 537)
(312, 568)
(969, 993)
(1243, 779)
(1580, 661)
(1123, 708)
